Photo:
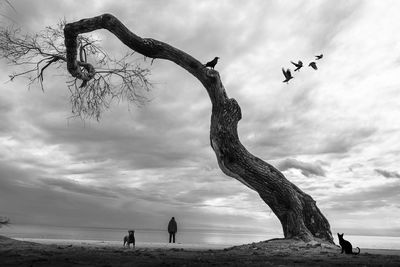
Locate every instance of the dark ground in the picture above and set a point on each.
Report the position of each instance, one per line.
(267, 253)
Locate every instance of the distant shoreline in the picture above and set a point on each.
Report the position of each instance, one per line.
(116, 244)
(213, 239)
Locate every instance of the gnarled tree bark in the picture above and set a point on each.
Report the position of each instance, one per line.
(297, 211)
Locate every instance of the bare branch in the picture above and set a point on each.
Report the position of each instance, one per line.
(113, 79)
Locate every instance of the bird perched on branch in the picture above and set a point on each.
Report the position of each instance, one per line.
(318, 57)
(212, 63)
(298, 65)
(287, 75)
(313, 65)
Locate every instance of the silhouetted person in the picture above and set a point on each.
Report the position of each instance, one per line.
(172, 229)
(287, 75)
(212, 63)
(319, 57)
(313, 65)
(298, 65)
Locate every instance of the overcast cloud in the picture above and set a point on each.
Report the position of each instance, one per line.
(307, 169)
(388, 174)
(334, 132)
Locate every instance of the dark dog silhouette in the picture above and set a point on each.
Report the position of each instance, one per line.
(130, 238)
(346, 246)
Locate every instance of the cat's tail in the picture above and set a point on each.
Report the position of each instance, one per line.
(357, 252)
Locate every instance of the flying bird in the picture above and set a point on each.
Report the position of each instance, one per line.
(313, 65)
(318, 57)
(287, 75)
(212, 63)
(298, 65)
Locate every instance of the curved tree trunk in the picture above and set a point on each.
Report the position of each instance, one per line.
(297, 211)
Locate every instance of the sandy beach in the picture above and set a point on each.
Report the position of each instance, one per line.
(106, 254)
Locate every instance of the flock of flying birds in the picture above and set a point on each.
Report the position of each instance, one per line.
(299, 65)
(286, 73)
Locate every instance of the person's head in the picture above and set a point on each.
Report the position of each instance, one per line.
(173, 218)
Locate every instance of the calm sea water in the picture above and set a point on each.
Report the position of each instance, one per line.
(199, 237)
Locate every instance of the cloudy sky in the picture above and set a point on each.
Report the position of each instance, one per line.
(334, 132)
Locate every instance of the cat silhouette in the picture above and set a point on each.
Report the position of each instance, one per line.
(346, 245)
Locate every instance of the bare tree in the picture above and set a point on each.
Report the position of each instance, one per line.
(296, 210)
